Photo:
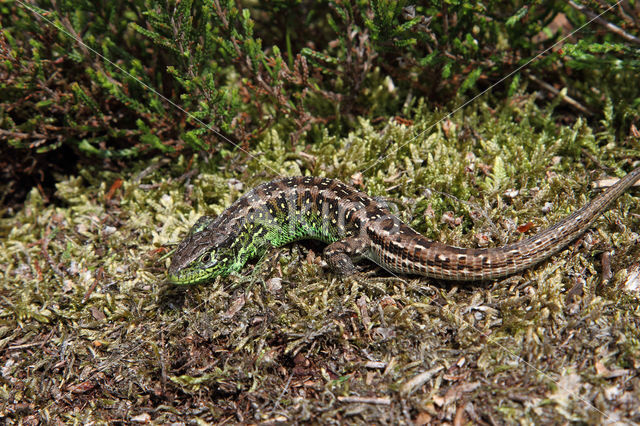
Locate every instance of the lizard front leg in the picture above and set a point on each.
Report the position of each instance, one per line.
(340, 254)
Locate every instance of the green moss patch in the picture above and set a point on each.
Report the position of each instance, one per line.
(90, 330)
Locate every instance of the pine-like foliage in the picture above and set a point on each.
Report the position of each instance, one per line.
(242, 67)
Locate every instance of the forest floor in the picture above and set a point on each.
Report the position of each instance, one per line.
(91, 331)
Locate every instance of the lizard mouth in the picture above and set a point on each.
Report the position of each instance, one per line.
(187, 277)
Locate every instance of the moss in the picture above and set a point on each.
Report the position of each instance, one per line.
(92, 332)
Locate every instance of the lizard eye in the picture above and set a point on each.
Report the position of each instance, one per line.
(206, 258)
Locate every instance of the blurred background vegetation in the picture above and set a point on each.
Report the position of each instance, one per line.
(244, 67)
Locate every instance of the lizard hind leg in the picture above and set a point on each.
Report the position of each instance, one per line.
(340, 254)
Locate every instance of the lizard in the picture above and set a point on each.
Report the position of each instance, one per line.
(354, 226)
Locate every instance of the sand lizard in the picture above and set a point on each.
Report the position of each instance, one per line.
(355, 225)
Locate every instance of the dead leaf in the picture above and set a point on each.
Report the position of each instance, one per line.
(525, 228)
(112, 190)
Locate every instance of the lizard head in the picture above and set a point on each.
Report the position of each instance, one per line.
(203, 255)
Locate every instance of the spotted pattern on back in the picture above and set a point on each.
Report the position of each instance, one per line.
(290, 209)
